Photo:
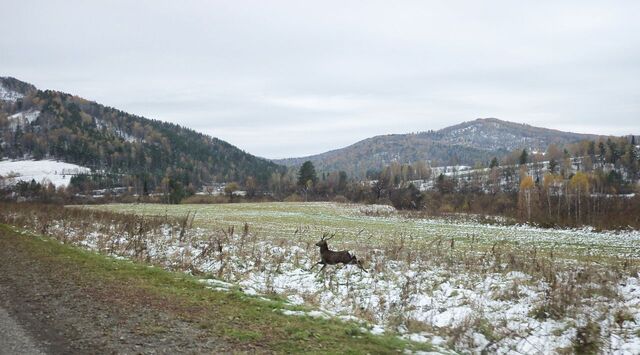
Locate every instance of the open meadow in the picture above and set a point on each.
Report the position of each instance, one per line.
(458, 284)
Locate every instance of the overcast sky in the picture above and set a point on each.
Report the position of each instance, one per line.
(293, 78)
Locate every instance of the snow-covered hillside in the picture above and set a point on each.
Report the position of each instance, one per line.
(9, 95)
(57, 172)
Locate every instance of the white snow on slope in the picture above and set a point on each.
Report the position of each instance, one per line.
(29, 116)
(59, 173)
(23, 118)
(9, 95)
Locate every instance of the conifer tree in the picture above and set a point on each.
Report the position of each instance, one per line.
(307, 173)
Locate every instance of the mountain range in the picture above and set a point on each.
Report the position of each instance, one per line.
(42, 124)
(463, 144)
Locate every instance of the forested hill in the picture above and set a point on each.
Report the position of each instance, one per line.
(466, 143)
(50, 124)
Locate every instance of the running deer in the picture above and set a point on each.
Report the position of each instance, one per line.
(330, 257)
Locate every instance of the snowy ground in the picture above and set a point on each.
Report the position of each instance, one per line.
(461, 286)
(57, 172)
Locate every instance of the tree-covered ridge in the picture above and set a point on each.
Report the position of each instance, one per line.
(373, 154)
(106, 139)
(468, 143)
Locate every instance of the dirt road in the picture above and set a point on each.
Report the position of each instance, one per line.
(14, 339)
(49, 307)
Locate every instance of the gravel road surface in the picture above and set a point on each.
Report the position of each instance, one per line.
(14, 340)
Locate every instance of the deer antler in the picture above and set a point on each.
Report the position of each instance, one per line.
(325, 235)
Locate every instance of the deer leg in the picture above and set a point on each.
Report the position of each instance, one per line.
(357, 263)
(361, 267)
(354, 260)
(316, 264)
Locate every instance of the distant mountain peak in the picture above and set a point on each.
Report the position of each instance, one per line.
(489, 119)
(466, 143)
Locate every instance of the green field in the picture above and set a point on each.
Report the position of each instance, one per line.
(378, 225)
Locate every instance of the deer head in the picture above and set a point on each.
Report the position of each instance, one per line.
(323, 241)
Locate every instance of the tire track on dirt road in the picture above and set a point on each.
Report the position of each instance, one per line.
(14, 340)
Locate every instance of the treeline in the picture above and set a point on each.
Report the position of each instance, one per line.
(586, 183)
(590, 182)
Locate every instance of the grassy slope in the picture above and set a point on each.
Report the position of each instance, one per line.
(238, 319)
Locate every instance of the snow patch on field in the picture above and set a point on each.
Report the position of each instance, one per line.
(377, 210)
(57, 172)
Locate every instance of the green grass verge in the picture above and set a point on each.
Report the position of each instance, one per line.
(235, 317)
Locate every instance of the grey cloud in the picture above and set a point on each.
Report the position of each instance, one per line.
(290, 78)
